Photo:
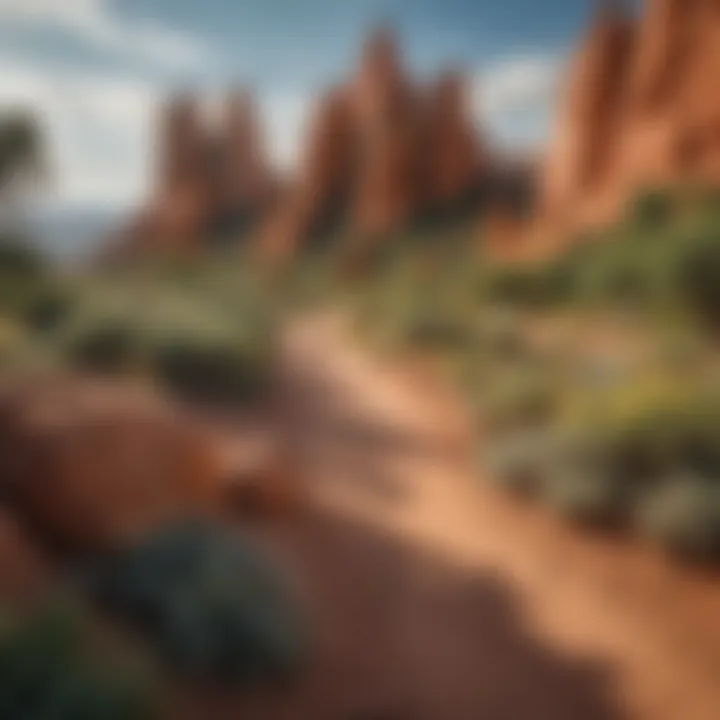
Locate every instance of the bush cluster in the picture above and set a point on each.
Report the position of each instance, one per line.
(211, 602)
(47, 672)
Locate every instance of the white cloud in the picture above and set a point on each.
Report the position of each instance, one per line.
(100, 128)
(285, 118)
(97, 129)
(515, 97)
(95, 22)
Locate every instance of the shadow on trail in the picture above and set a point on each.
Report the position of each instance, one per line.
(400, 634)
(400, 631)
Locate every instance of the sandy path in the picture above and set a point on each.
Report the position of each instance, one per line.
(435, 599)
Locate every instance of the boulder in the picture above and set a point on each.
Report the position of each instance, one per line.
(91, 465)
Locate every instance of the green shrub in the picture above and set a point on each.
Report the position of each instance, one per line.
(652, 208)
(209, 370)
(588, 494)
(211, 602)
(698, 278)
(522, 461)
(47, 307)
(683, 515)
(500, 335)
(19, 260)
(47, 672)
(103, 344)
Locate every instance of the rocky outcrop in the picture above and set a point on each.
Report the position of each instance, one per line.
(389, 122)
(211, 180)
(320, 193)
(456, 161)
(243, 183)
(381, 152)
(640, 110)
(90, 466)
(585, 148)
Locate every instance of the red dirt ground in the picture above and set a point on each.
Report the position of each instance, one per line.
(435, 599)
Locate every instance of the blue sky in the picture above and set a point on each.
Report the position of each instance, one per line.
(96, 68)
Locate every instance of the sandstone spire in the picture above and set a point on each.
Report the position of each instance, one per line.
(249, 178)
(321, 190)
(585, 147)
(389, 127)
(176, 213)
(454, 153)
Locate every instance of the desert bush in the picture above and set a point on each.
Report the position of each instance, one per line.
(697, 277)
(682, 514)
(102, 343)
(652, 207)
(47, 309)
(211, 602)
(646, 427)
(217, 348)
(200, 353)
(520, 400)
(588, 493)
(209, 369)
(19, 260)
(47, 672)
(521, 461)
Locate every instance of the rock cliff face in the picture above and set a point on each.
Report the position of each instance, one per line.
(211, 179)
(387, 110)
(382, 151)
(321, 189)
(639, 110)
(456, 158)
(585, 149)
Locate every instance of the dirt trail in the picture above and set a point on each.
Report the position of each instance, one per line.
(435, 599)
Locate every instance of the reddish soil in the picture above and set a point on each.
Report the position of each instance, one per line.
(433, 598)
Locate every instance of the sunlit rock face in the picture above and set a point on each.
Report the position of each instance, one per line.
(243, 185)
(212, 178)
(455, 160)
(639, 111)
(583, 153)
(389, 119)
(655, 118)
(94, 465)
(320, 191)
(180, 201)
(382, 150)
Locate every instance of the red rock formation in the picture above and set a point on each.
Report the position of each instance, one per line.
(178, 209)
(653, 146)
(380, 152)
(209, 179)
(244, 181)
(92, 466)
(637, 116)
(586, 141)
(455, 159)
(390, 129)
(324, 180)
(699, 142)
